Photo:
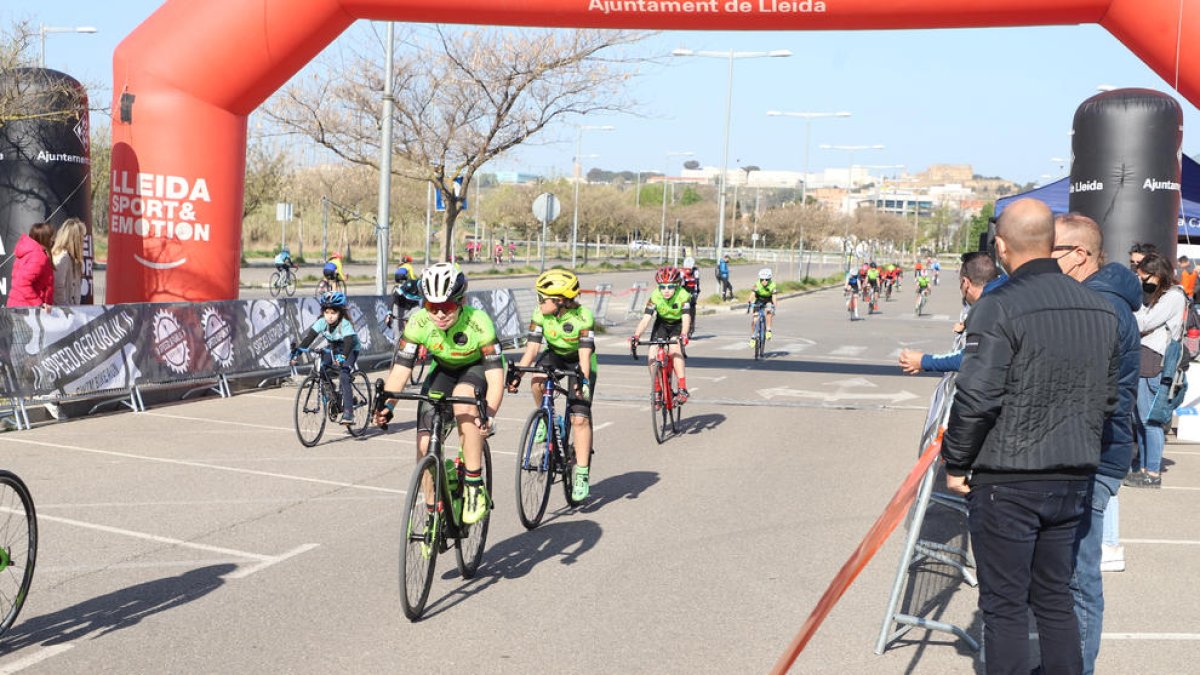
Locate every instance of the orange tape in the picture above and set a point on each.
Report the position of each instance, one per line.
(870, 545)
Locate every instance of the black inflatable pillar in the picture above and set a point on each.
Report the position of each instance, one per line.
(1125, 171)
(45, 161)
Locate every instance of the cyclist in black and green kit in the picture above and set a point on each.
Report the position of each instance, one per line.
(569, 333)
(763, 296)
(668, 307)
(467, 361)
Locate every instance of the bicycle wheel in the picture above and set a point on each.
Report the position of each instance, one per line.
(18, 546)
(322, 287)
(290, 284)
(275, 285)
(361, 388)
(310, 411)
(658, 408)
(533, 471)
(566, 464)
(422, 531)
(760, 339)
(474, 537)
(675, 409)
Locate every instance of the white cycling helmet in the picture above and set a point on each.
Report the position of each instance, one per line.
(689, 262)
(443, 282)
(764, 273)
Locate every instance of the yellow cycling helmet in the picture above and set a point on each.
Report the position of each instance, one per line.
(558, 283)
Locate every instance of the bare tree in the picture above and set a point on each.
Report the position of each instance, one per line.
(462, 99)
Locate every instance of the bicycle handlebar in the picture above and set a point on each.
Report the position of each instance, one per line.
(670, 341)
(382, 395)
(556, 373)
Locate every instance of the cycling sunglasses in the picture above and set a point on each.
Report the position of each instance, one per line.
(667, 287)
(446, 307)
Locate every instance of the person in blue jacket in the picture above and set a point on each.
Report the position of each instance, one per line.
(1078, 243)
(977, 276)
(723, 277)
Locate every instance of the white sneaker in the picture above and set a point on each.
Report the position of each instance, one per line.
(1112, 558)
(55, 411)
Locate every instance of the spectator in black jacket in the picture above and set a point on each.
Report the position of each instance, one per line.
(1038, 380)
(1078, 246)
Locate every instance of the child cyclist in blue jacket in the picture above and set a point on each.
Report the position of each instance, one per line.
(335, 326)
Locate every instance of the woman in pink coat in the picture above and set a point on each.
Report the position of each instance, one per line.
(32, 272)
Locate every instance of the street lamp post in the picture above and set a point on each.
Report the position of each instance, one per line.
(383, 234)
(808, 117)
(731, 55)
(849, 187)
(662, 228)
(43, 30)
(579, 177)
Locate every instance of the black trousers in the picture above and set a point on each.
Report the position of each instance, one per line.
(1023, 535)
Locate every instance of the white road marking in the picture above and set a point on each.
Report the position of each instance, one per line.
(736, 346)
(34, 658)
(848, 350)
(1176, 542)
(380, 436)
(1150, 636)
(173, 541)
(201, 465)
(272, 560)
(602, 426)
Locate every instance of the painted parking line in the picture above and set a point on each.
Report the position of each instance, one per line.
(1169, 542)
(1151, 636)
(208, 420)
(264, 561)
(202, 465)
(34, 658)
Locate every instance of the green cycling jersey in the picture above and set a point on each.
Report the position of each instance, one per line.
(765, 291)
(467, 341)
(922, 282)
(669, 309)
(872, 274)
(564, 333)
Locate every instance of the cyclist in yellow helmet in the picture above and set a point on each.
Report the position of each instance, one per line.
(568, 330)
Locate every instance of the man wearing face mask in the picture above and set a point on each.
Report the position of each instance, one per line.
(1078, 246)
(1038, 380)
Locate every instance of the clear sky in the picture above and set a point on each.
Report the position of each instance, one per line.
(1000, 99)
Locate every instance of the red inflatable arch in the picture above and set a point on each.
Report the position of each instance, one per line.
(187, 78)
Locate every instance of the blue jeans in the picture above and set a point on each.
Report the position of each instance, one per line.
(1112, 522)
(1151, 438)
(1023, 535)
(1086, 584)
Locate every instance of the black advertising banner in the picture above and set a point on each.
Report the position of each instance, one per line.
(76, 350)
(268, 327)
(72, 351)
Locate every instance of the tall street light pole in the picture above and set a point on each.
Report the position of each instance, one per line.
(849, 187)
(385, 169)
(43, 30)
(579, 177)
(808, 117)
(731, 55)
(662, 228)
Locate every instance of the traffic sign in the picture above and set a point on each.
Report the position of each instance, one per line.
(440, 205)
(546, 207)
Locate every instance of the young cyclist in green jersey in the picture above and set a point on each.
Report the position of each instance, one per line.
(467, 361)
(568, 331)
(335, 326)
(668, 307)
(763, 296)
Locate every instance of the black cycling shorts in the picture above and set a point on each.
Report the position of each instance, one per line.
(665, 330)
(445, 380)
(576, 405)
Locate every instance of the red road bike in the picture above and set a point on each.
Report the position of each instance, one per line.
(665, 406)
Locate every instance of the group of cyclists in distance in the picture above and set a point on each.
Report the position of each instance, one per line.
(432, 319)
(872, 281)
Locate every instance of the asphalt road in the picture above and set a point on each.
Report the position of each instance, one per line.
(201, 537)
